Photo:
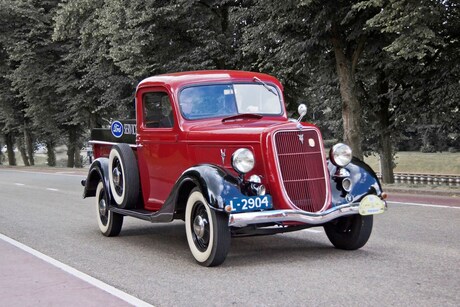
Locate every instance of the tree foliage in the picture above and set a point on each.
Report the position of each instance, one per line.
(374, 72)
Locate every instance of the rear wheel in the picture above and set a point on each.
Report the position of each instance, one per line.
(123, 176)
(109, 222)
(207, 231)
(351, 232)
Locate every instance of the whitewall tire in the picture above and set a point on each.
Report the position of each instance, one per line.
(123, 176)
(207, 230)
(109, 223)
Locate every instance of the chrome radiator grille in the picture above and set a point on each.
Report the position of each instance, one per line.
(301, 166)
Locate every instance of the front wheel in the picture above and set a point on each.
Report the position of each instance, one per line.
(207, 231)
(109, 223)
(351, 232)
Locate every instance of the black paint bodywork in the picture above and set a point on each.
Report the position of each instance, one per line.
(219, 185)
(216, 184)
(105, 134)
(364, 182)
(99, 170)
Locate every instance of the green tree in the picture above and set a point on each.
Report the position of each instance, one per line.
(95, 89)
(12, 112)
(72, 65)
(32, 71)
(367, 44)
(318, 45)
(149, 37)
(410, 76)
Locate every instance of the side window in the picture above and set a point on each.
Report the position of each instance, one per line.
(157, 110)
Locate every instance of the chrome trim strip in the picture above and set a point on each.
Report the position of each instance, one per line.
(110, 143)
(277, 216)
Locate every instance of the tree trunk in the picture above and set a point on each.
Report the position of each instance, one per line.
(71, 148)
(51, 160)
(24, 157)
(23, 152)
(78, 158)
(29, 145)
(386, 159)
(385, 146)
(351, 107)
(2, 158)
(74, 146)
(9, 140)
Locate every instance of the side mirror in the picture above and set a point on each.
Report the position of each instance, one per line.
(302, 110)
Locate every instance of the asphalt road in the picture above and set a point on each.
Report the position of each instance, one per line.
(411, 259)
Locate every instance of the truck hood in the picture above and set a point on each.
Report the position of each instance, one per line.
(241, 131)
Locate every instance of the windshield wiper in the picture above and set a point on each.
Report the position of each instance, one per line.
(255, 79)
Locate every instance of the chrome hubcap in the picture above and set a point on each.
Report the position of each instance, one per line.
(199, 225)
(201, 231)
(116, 176)
(102, 207)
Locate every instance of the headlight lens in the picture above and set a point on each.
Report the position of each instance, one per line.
(340, 154)
(243, 160)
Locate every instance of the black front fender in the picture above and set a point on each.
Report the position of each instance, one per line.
(99, 170)
(216, 184)
(364, 182)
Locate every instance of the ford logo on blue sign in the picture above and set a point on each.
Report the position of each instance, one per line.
(117, 129)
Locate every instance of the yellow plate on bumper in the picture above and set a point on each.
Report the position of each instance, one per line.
(371, 204)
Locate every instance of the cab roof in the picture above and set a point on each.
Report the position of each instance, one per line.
(180, 79)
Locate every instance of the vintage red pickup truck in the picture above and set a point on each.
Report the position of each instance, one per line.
(217, 150)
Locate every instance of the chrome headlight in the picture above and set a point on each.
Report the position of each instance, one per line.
(243, 160)
(340, 154)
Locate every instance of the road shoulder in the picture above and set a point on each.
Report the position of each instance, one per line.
(28, 280)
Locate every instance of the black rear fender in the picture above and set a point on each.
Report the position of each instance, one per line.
(99, 170)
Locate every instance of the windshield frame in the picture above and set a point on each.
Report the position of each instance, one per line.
(279, 96)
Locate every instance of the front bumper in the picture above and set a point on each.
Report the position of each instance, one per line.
(278, 216)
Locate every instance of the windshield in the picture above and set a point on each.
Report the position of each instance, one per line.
(206, 101)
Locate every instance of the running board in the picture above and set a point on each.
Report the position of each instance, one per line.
(154, 217)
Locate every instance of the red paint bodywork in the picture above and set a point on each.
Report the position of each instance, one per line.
(165, 153)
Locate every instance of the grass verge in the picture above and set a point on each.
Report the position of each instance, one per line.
(445, 163)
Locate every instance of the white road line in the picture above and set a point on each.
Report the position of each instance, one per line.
(51, 189)
(91, 280)
(19, 184)
(422, 205)
(44, 173)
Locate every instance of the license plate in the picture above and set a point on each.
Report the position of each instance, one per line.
(371, 204)
(251, 203)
